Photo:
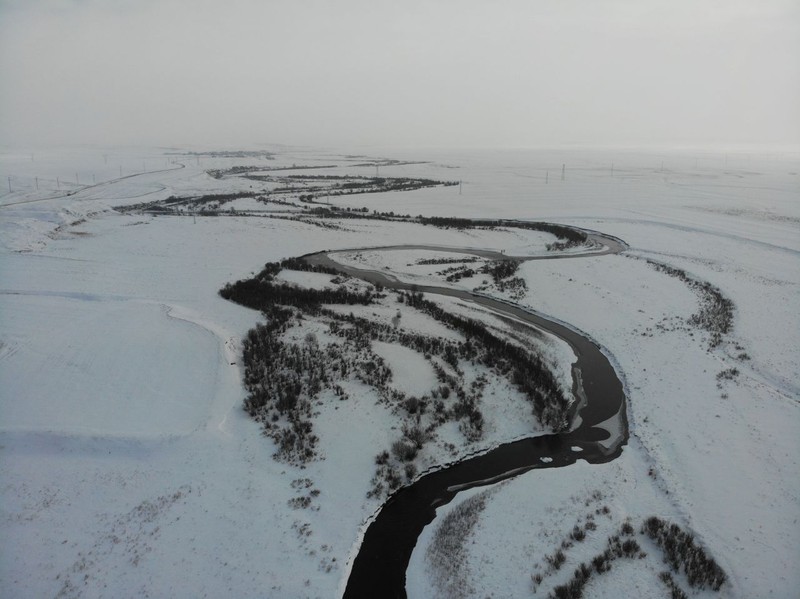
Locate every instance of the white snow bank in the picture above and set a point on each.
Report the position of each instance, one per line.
(411, 372)
(92, 366)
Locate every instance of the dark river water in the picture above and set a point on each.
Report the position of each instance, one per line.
(379, 568)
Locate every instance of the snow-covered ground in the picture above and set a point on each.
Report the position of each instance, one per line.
(127, 466)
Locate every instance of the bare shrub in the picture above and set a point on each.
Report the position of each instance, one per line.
(404, 451)
(680, 550)
(416, 435)
(577, 534)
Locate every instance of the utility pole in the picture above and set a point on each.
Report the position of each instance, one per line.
(563, 171)
(37, 183)
(377, 171)
(9, 185)
(459, 188)
(546, 177)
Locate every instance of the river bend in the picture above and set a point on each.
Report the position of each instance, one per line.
(601, 429)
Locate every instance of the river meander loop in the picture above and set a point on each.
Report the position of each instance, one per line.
(379, 567)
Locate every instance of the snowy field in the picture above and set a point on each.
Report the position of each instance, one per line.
(128, 467)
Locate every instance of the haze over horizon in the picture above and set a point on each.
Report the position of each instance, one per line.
(451, 74)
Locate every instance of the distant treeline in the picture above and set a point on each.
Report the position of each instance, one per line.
(570, 234)
(244, 170)
(567, 236)
(229, 154)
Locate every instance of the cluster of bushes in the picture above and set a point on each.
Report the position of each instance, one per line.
(516, 286)
(468, 413)
(677, 546)
(618, 546)
(173, 202)
(247, 170)
(218, 198)
(372, 184)
(728, 374)
(675, 592)
(349, 185)
(387, 162)
(231, 154)
(498, 269)
(262, 291)
(715, 315)
(559, 246)
(456, 273)
(680, 550)
(360, 332)
(557, 559)
(716, 311)
(219, 173)
(303, 501)
(447, 554)
(285, 378)
(211, 204)
(396, 466)
(437, 261)
(331, 212)
(282, 380)
(566, 235)
(449, 401)
(261, 295)
(302, 266)
(501, 271)
(525, 370)
(208, 204)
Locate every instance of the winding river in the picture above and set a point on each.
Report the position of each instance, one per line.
(598, 434)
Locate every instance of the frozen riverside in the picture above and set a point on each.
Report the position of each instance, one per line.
(378, 569)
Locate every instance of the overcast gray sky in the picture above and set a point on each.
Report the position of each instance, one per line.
(454, 73)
